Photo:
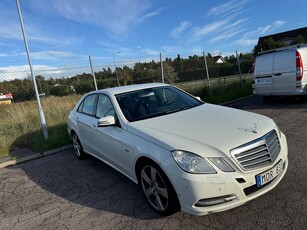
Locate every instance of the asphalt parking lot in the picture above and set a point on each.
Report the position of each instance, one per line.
(61, 192)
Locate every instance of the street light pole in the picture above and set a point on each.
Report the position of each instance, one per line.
(40, 109)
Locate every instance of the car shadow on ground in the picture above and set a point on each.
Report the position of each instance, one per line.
(89, 182)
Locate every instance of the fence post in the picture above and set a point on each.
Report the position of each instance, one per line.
(116, 70)
(207, 72)
(239, 67)
(93, 73)
(162, 71)
(40, 109)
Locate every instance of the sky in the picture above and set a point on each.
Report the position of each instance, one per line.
(66, 32)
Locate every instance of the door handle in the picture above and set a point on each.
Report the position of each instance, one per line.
(94, 126)
(277, 74)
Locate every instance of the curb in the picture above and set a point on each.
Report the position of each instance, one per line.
(34, 156)
(236, 100)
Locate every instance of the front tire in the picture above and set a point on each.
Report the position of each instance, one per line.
(77, 146)
(157, 189)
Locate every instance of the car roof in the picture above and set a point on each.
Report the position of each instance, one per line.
(129, 88)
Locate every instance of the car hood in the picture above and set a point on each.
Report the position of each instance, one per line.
(208, 130)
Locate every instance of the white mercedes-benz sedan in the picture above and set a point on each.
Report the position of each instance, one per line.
(185, 154)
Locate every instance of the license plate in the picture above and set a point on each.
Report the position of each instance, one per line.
(269, 175)
(264, 81)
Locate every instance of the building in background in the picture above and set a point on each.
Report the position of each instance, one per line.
(288, 37)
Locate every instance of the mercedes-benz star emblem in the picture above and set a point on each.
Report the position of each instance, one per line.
(254, 128)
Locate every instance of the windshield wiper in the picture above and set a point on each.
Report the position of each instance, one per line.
(179, 109)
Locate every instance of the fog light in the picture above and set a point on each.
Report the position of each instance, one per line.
(215, 200)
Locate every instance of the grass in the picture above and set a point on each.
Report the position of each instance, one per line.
(220, 91)
(20, 126)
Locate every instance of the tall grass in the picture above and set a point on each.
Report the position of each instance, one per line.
(20, 125)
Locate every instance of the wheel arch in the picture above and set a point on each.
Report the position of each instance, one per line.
(174, 196)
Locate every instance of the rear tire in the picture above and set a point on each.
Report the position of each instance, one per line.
(77, 146)
(157, 189)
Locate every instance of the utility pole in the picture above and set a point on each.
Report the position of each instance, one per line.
(162, 71)
(93, 73)
(40, 109)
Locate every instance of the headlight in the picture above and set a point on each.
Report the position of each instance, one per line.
(221, 164)
(191, 162)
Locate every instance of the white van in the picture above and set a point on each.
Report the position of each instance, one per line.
(281, 71)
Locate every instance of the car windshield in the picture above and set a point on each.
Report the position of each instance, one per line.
(153, 102)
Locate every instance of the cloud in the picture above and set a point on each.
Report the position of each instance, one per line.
(251, 38)
(54, 55)
(10, 30)
(246, 42)
(265, 29)
(22, 71)
(150, 51)
(117, 16)
(224, 36)
(227, 8)
(176, 32)
(199, 33)
(230, 30)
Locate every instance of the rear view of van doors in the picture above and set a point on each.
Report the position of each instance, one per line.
(275, 73)
(284, 72)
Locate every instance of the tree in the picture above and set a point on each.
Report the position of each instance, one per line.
(178, 64)
(126, 74)
(61, 90)
(267, 44)
(3, 89)
(299, 39)
(170, 75)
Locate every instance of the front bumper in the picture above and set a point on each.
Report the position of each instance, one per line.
(235, 188)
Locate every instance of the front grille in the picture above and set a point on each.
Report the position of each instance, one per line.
(258, 153)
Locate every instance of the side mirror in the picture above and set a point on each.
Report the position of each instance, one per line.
(106, 121)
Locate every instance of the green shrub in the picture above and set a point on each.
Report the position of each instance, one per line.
(60, 90)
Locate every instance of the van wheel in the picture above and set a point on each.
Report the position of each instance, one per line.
(157, 189)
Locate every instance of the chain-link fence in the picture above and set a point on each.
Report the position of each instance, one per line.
(78, 78)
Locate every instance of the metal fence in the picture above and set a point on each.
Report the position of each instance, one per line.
(78, 78)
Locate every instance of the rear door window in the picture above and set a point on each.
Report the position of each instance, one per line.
(88, 105)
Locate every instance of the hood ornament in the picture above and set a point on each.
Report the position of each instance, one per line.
(253, 129)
